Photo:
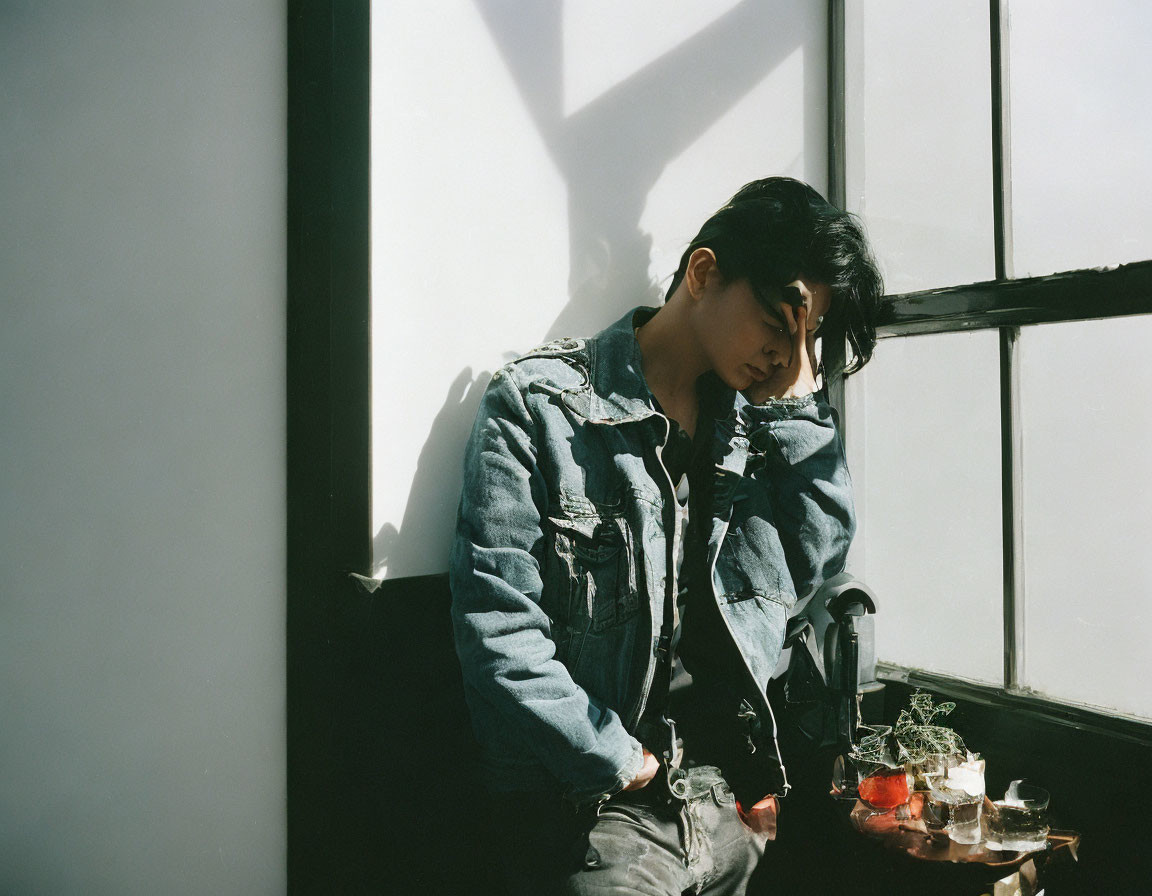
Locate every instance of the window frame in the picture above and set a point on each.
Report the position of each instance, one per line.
(1005, 304)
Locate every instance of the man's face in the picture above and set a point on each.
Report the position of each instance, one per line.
(744, 341)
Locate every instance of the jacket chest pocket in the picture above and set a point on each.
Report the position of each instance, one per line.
(597, 558)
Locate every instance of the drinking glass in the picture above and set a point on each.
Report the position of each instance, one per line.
(955, 800)
(1019, 822)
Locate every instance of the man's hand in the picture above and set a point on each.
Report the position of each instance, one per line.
(761, 818)
(646, 773)
(798, 377)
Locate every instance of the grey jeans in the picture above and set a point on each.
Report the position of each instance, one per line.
(646, 843)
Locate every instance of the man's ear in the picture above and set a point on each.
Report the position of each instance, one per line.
(701, 265)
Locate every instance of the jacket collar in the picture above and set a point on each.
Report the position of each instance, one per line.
(620, 394)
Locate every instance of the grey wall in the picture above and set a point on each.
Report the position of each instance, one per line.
(142, 171)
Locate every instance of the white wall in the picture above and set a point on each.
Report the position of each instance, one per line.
(538, 170)
(142, 172)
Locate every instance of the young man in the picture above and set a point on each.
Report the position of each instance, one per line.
(626, 507)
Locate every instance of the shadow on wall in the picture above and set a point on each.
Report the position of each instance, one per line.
(429, 503)
(611, 153)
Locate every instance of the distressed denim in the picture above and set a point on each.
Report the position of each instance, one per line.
(565, 544)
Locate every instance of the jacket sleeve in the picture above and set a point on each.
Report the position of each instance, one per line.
(809, 489)
(503, 637)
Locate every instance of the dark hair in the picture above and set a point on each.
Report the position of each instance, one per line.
(776, 230)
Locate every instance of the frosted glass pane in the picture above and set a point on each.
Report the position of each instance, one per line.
(919, 124)
(1081, 85)
(924, 447)
(1088, 512)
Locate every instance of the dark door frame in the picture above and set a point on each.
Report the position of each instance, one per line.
(328, 407)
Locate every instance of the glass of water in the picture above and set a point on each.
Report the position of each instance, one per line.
(1019, 822)
(955, 800)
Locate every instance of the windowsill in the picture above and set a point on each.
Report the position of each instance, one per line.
(1024, 703)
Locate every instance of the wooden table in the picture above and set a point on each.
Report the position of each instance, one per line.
(905, 830)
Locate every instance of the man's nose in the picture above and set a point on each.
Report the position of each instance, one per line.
(776, 353)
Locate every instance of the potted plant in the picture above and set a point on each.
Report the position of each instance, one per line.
(925, 747)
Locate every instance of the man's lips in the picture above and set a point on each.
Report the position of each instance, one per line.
(757, 374)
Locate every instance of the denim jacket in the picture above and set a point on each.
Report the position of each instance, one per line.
(565, 545)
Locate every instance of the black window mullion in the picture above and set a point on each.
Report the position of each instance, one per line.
(833, 355)
(1001, 144)
(1010, 435)
(1011, 479)
(1090, 294)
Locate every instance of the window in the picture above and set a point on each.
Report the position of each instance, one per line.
(926, 430)
(1080, 133)
(919, 106)
(998, 437)
(1086, 511)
